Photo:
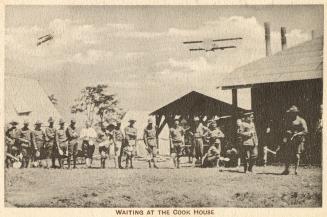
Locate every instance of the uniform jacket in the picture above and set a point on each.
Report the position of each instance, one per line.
(248, 134)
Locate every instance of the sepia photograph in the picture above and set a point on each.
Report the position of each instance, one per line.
(163, 106)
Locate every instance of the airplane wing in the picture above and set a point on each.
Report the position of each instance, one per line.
(227, 39)
(192, 42)
(196, 49)
(44, 39)
(222, 48)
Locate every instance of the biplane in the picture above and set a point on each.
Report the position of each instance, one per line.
(214, 47)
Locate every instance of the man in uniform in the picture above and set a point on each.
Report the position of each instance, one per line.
(88, 135)
(61, 140)
(11, 142)
(247, 133)
(199, 132)
(50, 150)
(150, 141)
(131, 138)
(72, 138)
(118, 140)
(103, 142)
(25, 141)
(176, 137)
(38, 138)
(294, 138)
(215, 135)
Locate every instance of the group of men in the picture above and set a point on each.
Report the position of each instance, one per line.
(38, 147)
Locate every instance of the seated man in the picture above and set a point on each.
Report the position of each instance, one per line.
(210, 159)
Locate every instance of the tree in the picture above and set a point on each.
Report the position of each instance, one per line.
(95, 101)
(53, 99)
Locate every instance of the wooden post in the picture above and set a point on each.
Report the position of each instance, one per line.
(283, 37)
(234, 97)
(267, 38)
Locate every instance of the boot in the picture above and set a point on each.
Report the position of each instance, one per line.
(74, 161)
(119, 163)
(127, 162)
(251, 164)
(131, 162)
(68, 162)
(154, 164)
(245, 166)
(149, 163)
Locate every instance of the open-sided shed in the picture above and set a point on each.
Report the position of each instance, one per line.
(193, 104)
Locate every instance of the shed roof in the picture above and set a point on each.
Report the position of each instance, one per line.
(301, 62)
(195, 103)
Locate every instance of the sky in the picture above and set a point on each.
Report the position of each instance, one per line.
(138, 50)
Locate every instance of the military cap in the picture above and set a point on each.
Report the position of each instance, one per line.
(150, 121)
(183, 121)
(38, 122)
(61, 121)
(293, 109)
(26, 122)
(248, 113)
(50, 120)
(73, 120)
(132, 121)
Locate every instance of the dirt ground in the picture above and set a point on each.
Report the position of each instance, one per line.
(164, 187)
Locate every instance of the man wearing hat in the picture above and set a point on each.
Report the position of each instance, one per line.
(11, 141)
(110, 133)
(72, 138)
(88, 135)
(38, 139)
(50, 150)
(118, 140)
(199, 132)
(61, 140)
(294, 138)
(103, 143)
(25, 141)
(215, 135)
(176, 137)
(131, 139)
(249, 140)
(150, 141)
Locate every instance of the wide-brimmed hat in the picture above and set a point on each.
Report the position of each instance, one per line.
(50, 120)
(38, 122)
(112, 123)
(150, 121)
(293, 109)
(13, 122)
(196, 119)
(26, 122)
(73, 121)
(131, 121)
(61, 121)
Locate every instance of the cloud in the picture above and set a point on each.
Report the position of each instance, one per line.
(91, 57)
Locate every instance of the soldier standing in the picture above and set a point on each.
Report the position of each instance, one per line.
(131, 139)
(150, 141)
(118, 140)
(176, 137)
(199, 132)
(88, 135)
(110, 133)
(295, 131)
(11, 142)
(50, 149)
(61, 140)
(25, 142)
(215, 135)
(249, 138)
(72, 138)
(38, 138)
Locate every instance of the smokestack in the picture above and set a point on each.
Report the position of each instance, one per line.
(312, 34)
(283, 37)
(267, 37)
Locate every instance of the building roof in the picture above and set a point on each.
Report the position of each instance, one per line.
(195, 103)
(26, 99)
(301, 62)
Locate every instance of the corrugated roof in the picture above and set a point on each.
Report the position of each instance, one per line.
(301, 62)
(195, 103)
(26, 99)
